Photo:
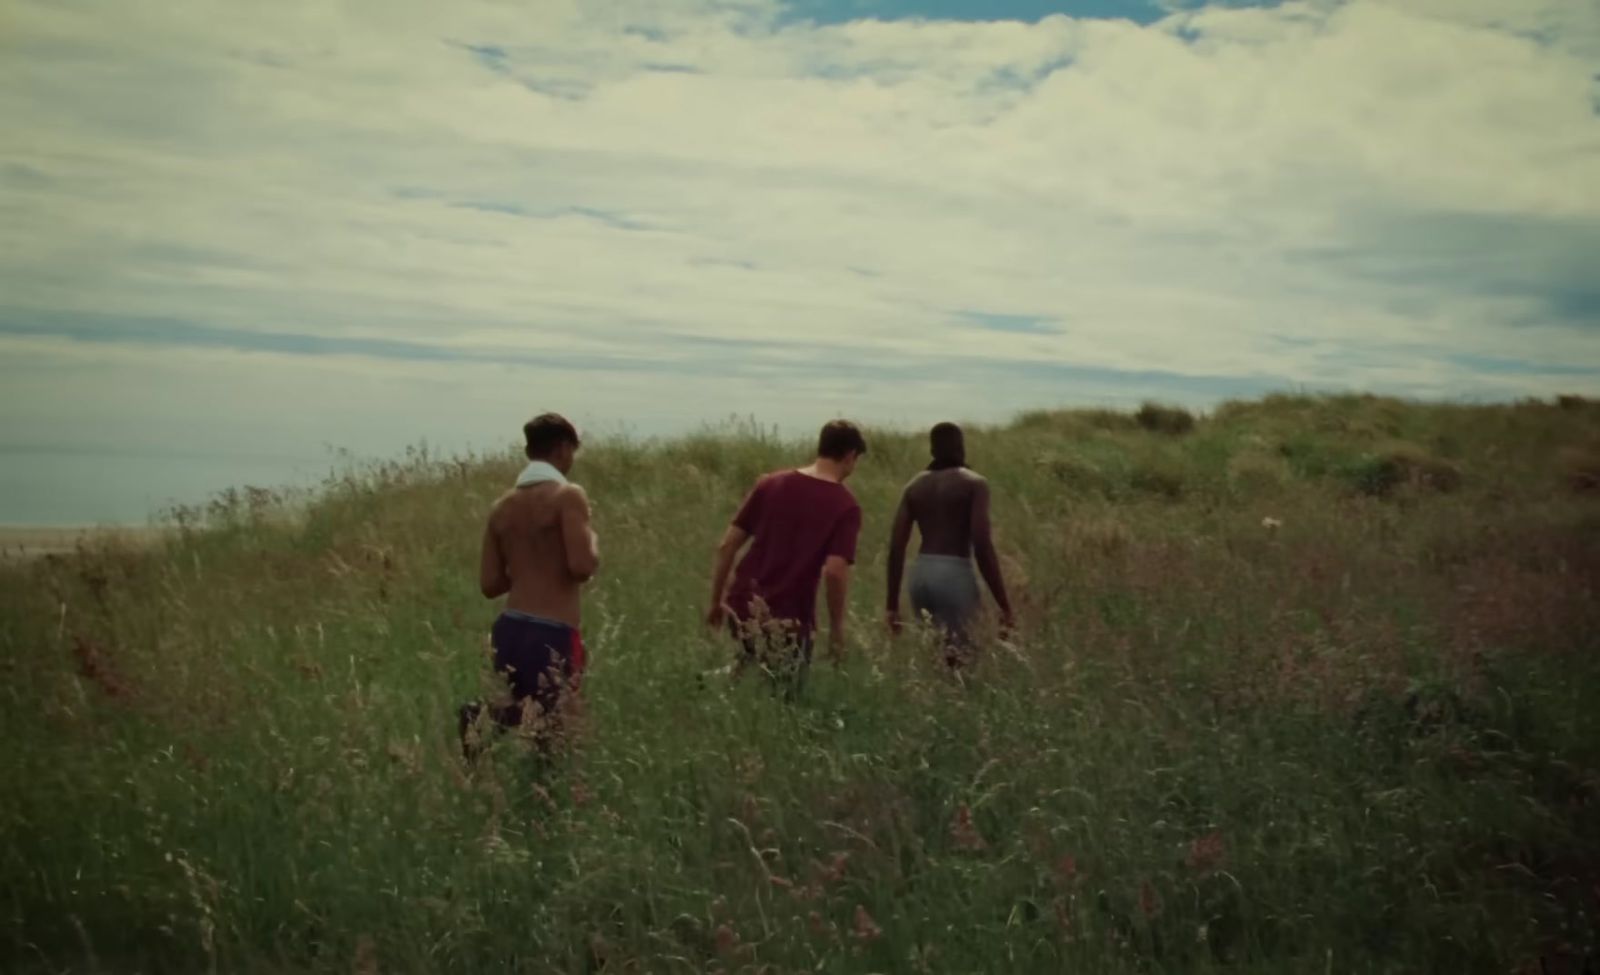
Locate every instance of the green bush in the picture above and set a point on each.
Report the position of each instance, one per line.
(1075, 424)
(1076, 474)
(1311, 455)
(1403, 465)
(1258, 472)
(1580, 468)
(1159, 475)
(1160, 418)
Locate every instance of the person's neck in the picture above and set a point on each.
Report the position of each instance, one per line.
(825, 469)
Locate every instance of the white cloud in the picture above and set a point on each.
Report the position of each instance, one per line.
(1227, 193)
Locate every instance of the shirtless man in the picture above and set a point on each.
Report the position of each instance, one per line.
(949, 504)
(538, 550)
(801, 526)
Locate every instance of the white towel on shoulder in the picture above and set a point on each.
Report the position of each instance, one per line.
(539, 472)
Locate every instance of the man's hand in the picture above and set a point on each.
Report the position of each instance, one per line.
(716, 616)
(891, 619)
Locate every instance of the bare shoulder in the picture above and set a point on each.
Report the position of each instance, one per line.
(572, 495)
(500, 511)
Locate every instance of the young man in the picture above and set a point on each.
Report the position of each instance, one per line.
(802, 527)
(949, 504)
(538, 550)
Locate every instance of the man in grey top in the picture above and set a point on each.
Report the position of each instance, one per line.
(949, 504)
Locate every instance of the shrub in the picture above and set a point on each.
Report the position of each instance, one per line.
(1076, 474)
(1255, 472)
(1580, 467)
(1309, 455)
(1569, 401)
(1159, 418)
(1161, 476)
(1104, 419)
(1102, 536)
(1078, 424)
(1403, 465)
(1034, 420)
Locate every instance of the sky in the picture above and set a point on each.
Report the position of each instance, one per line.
(238, 237)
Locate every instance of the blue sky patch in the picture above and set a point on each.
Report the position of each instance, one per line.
(666, 67)
(612, 219)
(706, 355)
(1519, 367)
(1545, 261)
(843, 11)
(1014, 324)
(732, 262)
(490, 56)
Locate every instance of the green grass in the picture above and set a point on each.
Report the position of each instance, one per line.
(1364, 741)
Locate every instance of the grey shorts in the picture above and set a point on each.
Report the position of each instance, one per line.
(945, 588)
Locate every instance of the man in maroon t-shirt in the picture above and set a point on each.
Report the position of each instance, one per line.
(802, 527)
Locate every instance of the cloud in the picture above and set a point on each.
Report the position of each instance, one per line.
(1390, 194)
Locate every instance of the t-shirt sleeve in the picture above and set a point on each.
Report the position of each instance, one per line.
(843, 540)
(750, 512)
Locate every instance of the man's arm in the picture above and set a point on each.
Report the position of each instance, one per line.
(836, 577)
(493, 580)
(727, 550)
(899, 538)
(577, 537)
(742, 528)
(983, 550)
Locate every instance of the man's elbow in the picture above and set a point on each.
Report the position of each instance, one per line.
(837, 572)
(494, 588)
(584, 569)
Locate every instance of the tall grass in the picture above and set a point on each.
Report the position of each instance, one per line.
(1361, 735)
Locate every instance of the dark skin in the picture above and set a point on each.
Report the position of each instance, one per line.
(950, 508)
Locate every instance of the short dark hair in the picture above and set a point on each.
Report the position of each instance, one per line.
(839, 439)
(948, 445)
(547, 431)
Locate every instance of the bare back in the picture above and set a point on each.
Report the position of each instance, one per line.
(538, 539)
(941, 504)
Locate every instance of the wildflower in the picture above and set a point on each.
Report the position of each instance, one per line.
(1149, 900)
(866, 928)
(1207, 853)
(836, 867)
(1271, 524)
(819, 927)
(1063, 912)
(366, 958)
(964, 833)
(1067, 868)
(727, 939)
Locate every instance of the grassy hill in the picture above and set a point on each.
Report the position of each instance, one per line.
(1306, 685)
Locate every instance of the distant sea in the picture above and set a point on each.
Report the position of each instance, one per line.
(46, 486)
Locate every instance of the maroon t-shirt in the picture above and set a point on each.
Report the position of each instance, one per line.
(795, 521)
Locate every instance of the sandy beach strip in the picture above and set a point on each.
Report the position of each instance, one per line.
(21, 543)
